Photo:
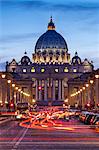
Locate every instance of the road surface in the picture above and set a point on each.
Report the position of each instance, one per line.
(75, 136)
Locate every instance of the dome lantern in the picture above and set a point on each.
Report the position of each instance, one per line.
(51, 25)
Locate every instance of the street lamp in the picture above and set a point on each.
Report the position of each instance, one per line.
(19, 90)
(91, 81)
(80, 90)
(16, 88)
(96, 76)
(87, 85)
(9, 81)
(83, 88)
(13, 85)
(3, 76)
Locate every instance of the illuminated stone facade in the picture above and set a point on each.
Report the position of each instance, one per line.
(45, 77)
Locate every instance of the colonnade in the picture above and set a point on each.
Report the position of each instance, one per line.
(87, 94)
(10, 92)
(49, 89)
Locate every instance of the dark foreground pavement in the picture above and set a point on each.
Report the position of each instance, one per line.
(14, 137)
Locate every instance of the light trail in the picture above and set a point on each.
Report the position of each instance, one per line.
(45, 120)
(49, 119)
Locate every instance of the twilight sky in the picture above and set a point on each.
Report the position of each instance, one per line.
(23, 21)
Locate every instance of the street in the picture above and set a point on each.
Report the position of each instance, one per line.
(73, 136)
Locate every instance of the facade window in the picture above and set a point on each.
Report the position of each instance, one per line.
(50, 58)
(74, 70)
(56, 70)
(42, 70)
(56, 83)
(56, 58)
(33, 79)
(65, 69)
(24, 70)
(33, 69)
(42, 83)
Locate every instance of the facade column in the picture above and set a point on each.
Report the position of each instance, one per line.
(40, 91)
(63, 90)
(15, 97)
(3, 92)
(83, 99)
(80, 99)
(53, 89)
(87, 96)
(45, 90)
(20, 97)
(11, 92)
(49, 90)
(36, 90)
(8, 93)
(59, 89)
(92, 95)
(30, 92)
(96, 92)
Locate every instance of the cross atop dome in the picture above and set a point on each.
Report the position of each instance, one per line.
(51, 25)
(51, 20)
(76, 54)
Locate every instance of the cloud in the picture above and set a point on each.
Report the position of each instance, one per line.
(24, 4)
(76, 7)
(41, 4)
(14, 38)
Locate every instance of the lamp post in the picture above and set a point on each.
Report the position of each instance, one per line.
(91, 93)
(96, 90)
(87, 92)
(3, 91)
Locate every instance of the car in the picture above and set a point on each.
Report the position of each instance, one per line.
(66, 118)
(21, 115)
(97, 126)
(96, 119)
(83, 115)
(88, 118)
(93, 118)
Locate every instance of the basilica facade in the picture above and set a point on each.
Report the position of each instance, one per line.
(45, 77)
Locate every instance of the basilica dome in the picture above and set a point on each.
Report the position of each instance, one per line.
(51, 40)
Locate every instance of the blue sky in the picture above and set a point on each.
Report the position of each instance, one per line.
(23, 21)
